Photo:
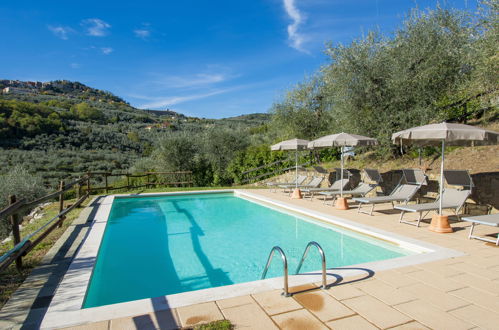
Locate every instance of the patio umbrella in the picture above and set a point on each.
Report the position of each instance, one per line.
(342, 140)
(293, 144)
(443, 134)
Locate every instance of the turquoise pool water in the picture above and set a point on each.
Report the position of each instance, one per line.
(161, 245)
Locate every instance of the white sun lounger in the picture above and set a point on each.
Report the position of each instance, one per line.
(402, 193)
(298, 180)
(335, 186)
(314, 183)
(488, 220)
(452, 199)
(361, 190)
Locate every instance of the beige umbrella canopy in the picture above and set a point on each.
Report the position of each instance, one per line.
(293, 144)
(342, 140)
(445, 134)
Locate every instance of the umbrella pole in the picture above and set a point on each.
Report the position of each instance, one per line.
(341, 177)
(441, 178)
(439, 222)
(296, 168)
(341, 203)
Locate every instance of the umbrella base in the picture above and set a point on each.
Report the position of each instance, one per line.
(297, 194)
(342, 203)
(440, 224)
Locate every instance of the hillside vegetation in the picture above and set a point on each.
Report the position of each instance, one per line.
(438, 65)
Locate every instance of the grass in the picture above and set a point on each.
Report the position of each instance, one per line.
(216, 325)
(11, 278)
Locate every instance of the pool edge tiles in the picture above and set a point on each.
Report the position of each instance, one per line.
(66, 306)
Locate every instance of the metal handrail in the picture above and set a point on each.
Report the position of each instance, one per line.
(323, 257)
(285, 263)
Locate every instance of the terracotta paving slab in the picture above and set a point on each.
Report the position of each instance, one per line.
(432, 317)
(410, 326)
(395, 279)
(249, 316)
(384, 292)
(479, 297)
(323, 306)
(298, 320)
(478, 316)
(478, 283)
(351, 323)
(438, 298)
(233, 302)
(436, 281)
(274, 303)
(199, 313)
(475, 270)
(341, 292)
(376, 312)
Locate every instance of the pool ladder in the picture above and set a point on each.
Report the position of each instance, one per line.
(286, 292)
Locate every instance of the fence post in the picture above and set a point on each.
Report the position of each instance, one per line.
(105, 180)
(14, 221)
(78, 190)
(89, 190)
(61, 202)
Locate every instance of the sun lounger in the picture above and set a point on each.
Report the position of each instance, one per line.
(335, 186)
(488, 220)
(314, 183)
(299, 180)
(361, 190)
(402, 194)
(452, 199)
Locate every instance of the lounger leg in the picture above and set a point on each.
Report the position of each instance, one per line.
(419, 219)
(334, 200)
(471, 230)
(372, 209)
(358, 209)
(401, 216)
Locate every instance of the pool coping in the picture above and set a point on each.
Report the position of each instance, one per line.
(65, 308)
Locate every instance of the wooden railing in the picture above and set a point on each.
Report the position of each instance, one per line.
(179, 178)
(24, 245)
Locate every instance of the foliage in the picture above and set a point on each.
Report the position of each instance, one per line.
(21, 183)
(440, 65)
(303, 113)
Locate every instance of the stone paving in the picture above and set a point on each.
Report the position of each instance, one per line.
(455, 293)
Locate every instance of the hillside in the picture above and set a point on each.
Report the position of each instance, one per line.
(62, 128)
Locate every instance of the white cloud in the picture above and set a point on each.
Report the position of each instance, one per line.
(296, 39)
(75, 65)
(95, 27)
(197, 80)
(142, 33)
(61, 32)
(162, 102)
(106, 50)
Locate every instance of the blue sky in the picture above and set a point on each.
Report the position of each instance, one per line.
(208, 59)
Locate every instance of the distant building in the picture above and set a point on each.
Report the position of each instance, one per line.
(15, 90)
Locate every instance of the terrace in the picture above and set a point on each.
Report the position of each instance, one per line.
(458, 292)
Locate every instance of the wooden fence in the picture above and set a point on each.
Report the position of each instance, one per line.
(179, 178)
(29, 242)
(82, 190)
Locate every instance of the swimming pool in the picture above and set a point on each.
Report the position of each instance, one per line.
(66, 307)
(163, 245)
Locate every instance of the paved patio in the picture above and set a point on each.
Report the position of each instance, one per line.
(456, 293)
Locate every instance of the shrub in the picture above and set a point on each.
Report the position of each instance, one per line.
(22, 184)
